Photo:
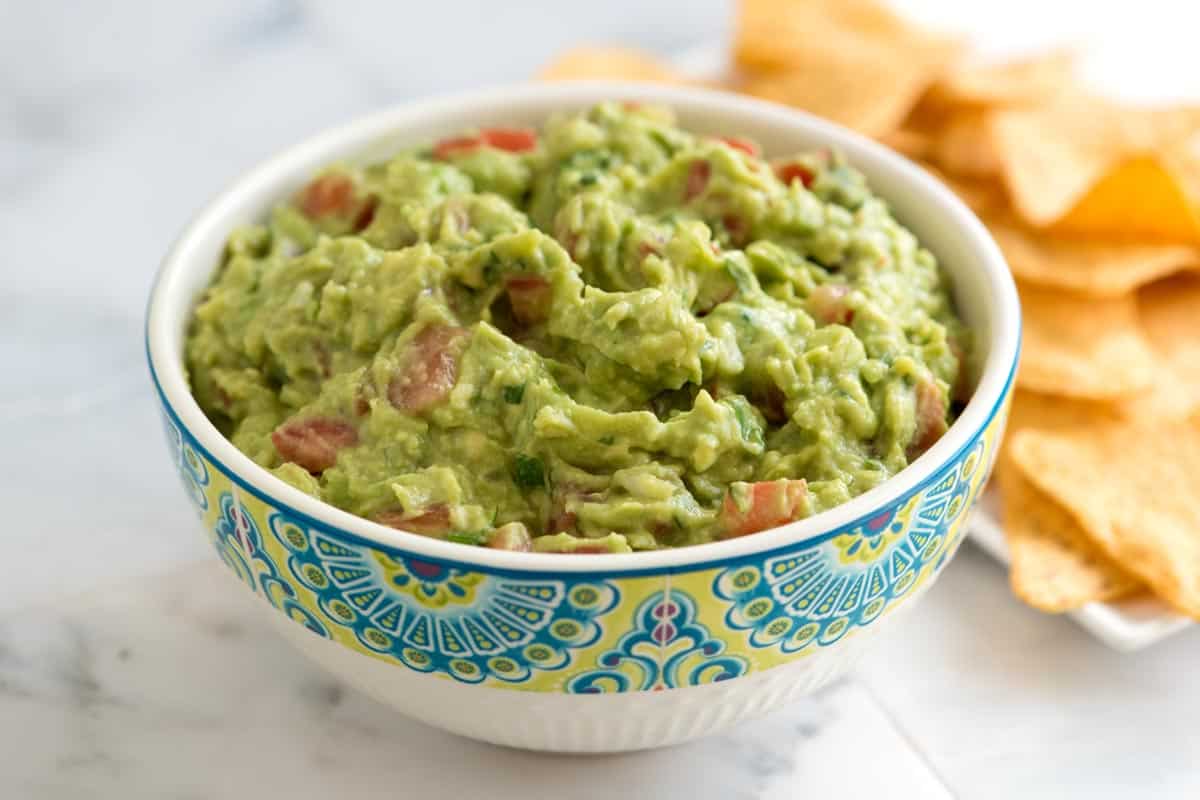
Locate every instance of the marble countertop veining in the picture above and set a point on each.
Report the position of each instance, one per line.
(131, 667)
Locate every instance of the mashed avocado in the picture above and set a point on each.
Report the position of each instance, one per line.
(609, 335)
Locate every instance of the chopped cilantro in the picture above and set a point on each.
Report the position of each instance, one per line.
(467, 537)
(529, 472)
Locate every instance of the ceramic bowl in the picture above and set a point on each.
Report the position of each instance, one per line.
(601, 652)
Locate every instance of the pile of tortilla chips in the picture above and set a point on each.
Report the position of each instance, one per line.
(1097, 209)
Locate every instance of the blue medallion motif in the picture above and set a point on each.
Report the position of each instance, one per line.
(439, 618)
(666, 648)
(239, 544)
(820, 593)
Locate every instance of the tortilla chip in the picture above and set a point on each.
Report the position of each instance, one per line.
(1170, 315)
(1078, 346)
(1085, 266)
(776, 34)
(982, 196)
(1053, 412)
(834, 87)
(965, 145)
(851, 61)
(1132, 487)
(1025, 81)
(1050, 412)
(607, 63)
(1054, 566)
(1143, 197)
(1053, 156)
(910, 142)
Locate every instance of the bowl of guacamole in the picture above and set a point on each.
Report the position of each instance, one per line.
(491, 389)
(607, 334)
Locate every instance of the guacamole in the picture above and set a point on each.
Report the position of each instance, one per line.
(609, 335)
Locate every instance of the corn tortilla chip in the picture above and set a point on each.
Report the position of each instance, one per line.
(1054, 566)
(851, 61)
(1053, 156)
(611, 63)
(1132, 487)
(1170, 315)
(910, 142)
(1024, 81)
(1050, 412)
(984, 197)
(776, 34)
(1079, 346)
(1084, 266)
(1143, 197)
(965, 145)
(1054, 412)
(837, 86)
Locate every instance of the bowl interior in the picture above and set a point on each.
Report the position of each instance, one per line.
(983, 289)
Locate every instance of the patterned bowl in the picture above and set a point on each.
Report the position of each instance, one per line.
(604, 652)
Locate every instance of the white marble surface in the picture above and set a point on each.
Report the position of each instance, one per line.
(127, 668)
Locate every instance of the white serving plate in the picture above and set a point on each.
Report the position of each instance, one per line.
(1124, 625)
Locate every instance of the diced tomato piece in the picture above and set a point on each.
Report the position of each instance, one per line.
(931, 418)
(738, 143)
(430, 369)
(432, 521)
(512, 140)
(828, 304)
(736, 227)
(771, 504)
(792, 171)
(362, 405)
(529, 296)
(366, 213)
(456, 145)
(513, 536)
(561, 520)
(334, 196)
(697, 179)
(331, 195)
(313, 443)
